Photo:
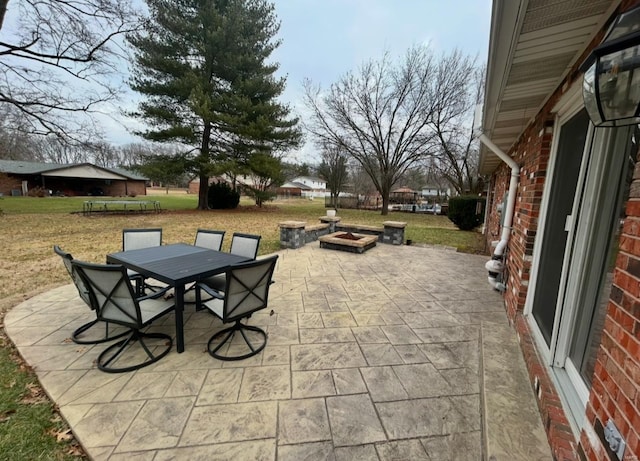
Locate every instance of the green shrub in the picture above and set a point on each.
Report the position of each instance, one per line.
(463, 212)
(222, 197)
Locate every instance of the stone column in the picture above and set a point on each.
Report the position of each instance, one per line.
(292, 234)
(332, 221)
(393, 232)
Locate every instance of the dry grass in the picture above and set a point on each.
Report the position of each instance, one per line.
(28, 264)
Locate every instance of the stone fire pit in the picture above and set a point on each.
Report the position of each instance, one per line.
(348, 241)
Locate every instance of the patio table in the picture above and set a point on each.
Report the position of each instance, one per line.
(176, 265)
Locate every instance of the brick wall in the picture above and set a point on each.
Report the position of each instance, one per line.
(8, 183)
(616, 382)
(616, 385)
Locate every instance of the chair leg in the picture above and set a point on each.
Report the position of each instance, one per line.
(114, 352)
(229, 333)
(76, 336)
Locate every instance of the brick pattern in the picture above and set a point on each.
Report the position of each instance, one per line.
(8, 183)
(616, 385)
(616, 382)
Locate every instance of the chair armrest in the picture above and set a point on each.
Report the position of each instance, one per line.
(210, 291)
(155, 294)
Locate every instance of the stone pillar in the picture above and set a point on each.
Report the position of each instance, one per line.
(332, 221)
(393, 232)
(292, 234)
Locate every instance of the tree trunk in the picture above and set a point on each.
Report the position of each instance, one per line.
(3, 10)
(204, 178)
(385, 204)
(202, 192)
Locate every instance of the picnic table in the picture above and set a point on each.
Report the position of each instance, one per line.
(120, 206)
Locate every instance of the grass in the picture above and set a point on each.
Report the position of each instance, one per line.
(30, 226)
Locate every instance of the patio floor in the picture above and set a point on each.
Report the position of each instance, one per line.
(402, 352)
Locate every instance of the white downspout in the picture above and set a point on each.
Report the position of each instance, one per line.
(496, 266)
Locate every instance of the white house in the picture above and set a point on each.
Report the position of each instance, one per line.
(309, 186)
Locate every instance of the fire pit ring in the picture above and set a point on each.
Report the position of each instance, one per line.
(348, 241)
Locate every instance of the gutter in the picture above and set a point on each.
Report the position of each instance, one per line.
(496, 265)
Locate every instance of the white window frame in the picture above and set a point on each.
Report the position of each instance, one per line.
(568, 106)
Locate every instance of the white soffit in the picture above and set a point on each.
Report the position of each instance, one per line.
(84, 171)
(533, 44)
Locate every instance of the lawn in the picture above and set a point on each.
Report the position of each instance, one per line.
(30, 226)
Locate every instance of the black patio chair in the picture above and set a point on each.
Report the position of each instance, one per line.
(245, 245)
(242, 245)
(246, 291)
(211, 239)
(205, 238)
(82, 335)
(114, 300)
(136, 239)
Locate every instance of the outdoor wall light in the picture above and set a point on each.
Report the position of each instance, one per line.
(611, 82)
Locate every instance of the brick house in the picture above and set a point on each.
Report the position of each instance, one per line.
(19, 178)
(563, 217)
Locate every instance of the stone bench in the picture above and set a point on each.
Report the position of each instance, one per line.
(295, 234)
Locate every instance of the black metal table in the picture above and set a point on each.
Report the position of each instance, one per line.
(176, 265)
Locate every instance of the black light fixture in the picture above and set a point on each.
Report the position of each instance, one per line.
(611, 82)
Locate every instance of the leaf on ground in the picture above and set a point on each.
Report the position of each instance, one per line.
(76, 450)
(6, 415)
(63, 435)
(35, 394)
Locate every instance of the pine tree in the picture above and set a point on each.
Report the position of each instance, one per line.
(202, 65)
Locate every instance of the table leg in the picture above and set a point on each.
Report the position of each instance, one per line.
(179, 292)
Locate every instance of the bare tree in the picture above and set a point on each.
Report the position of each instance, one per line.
(360, 183)
(379, 116)
(57, 60)
(15, 144)
(55, 150)
(387, 116)
(455, 142)
(333, 169)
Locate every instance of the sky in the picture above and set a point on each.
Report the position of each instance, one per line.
(324, 39)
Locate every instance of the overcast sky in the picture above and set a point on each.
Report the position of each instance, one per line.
(324, 39)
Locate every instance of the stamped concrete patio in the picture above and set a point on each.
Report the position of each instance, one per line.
(399, 353)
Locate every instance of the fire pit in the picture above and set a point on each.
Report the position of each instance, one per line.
(347, 241)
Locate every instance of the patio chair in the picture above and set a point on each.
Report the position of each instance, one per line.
(242, 245)
(114, 301)
(136, 239)
(245, 245)
(81, 335)
(246, 291)
(211, 239)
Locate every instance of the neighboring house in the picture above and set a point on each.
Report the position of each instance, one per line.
(569, 194)
(292, 189)
(309, 186)
(318, 186)
(19, 178)
(435, 192)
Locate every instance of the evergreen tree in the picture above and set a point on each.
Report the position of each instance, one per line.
(202, 65)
